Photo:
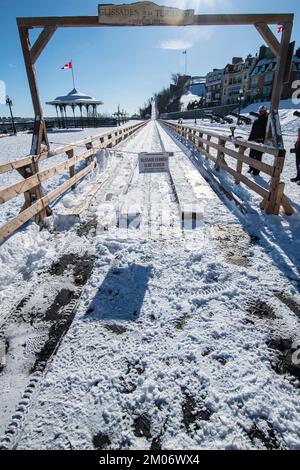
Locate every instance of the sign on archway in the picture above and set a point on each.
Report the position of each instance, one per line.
(144, 14)
(150, 14)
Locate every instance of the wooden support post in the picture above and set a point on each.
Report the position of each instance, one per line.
(272, 205)
(239, 165)
(40, 134)
(33, 195)
(70, 154)
(40, 141)
(274, 129)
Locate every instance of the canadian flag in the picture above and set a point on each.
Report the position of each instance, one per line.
(280, 29)
(69, 65)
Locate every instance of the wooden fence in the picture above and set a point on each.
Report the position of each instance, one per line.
(204, 140)
(36, 203)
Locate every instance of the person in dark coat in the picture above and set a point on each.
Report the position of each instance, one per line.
(258, 134)
(296, 150)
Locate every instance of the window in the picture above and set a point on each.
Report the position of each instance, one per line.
(268, 77)
(267, 91)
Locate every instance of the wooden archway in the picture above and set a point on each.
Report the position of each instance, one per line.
(150, 14)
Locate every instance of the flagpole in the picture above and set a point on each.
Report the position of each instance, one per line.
(73, 74)
(185, 63)
(185, 54)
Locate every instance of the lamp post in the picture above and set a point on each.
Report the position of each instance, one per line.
(241, 98)
(9, 103)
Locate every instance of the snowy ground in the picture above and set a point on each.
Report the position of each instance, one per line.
(181, 339)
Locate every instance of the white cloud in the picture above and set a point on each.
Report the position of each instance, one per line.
(197, 5)
(188, 38)
(175, 45)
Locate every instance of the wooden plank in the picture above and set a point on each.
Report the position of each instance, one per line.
(255, 187)
(217, 19)
(269, 38)
(86, 201)
(242, 19)
(32, 181)
(17, 222)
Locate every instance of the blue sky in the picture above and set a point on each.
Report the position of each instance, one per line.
(124, 65)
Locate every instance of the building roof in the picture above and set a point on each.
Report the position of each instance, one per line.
(75, 98)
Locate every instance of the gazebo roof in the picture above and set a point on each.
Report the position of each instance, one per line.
(75, 97)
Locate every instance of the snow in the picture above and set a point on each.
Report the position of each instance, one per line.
(188, 98)
(180, 299)
(284, 105)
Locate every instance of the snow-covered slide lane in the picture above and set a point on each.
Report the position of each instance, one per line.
(169, 345)
(150, 202)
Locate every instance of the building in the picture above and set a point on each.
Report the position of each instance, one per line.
(236, 79)
(75, 99)
(196, 86)
(214, 87)
(262, 76)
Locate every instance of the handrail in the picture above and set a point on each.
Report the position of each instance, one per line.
(36, 204)
(202, 139)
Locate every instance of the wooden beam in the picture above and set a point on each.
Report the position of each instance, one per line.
(40, 133)
(269, 38)
(42, 42)
(242, 19)
(199, 20)
(26, 48)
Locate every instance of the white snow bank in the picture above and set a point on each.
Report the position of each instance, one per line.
(284, 104)
(186, 99)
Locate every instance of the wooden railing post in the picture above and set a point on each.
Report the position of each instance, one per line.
(89, 146)
(70, 154)
(200, 143)
(207, 148)
(33, 195)
(239, 165)
(220, 154)
(272, 205)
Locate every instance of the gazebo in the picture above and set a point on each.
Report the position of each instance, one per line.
(75, 99)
